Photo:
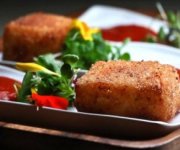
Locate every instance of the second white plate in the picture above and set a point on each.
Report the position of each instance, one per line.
(107, 16)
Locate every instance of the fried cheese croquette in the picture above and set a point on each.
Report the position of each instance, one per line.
(34, 34)
(146, 90)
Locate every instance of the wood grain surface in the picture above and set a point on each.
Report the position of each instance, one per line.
(171, 140)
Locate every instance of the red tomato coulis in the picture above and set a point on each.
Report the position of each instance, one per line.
(7, 91)
(120, 33)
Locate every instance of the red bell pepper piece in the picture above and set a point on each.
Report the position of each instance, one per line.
(50, 101)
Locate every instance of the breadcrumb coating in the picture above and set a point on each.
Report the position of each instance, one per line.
(143, 89)
(34, 34)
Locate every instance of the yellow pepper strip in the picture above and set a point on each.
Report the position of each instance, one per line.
(33, 90)
(33, 67)
(85, 31)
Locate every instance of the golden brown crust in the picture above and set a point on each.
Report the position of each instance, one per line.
(34, 34)
(136, 89)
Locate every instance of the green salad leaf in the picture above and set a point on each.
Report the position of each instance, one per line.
(48, 84)
(172, 36)
(25, 89)
(91, 51)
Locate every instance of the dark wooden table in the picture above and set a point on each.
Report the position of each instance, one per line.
(14, 136)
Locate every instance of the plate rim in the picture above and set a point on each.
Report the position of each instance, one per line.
(166, 48)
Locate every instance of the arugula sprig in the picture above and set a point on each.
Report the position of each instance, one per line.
(172, 36)
(90, 51)
(48, 84)
(174, 23)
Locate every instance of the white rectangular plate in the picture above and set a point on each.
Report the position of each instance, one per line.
(98, 124)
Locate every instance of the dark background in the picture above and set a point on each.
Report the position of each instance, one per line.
(10, 9)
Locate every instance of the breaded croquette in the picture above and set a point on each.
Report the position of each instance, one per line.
(147, 90)
(34, 34)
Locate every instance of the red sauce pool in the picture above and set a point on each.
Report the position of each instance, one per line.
(120, 33)
(7, 91)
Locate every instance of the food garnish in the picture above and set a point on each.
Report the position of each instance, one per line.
(89, 45)
(85, 31)
(48, 82)
(33, 67)
(50, 101)
(172, 36)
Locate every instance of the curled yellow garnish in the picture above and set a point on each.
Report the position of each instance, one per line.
(33, 90)
(85, 31)
(33, 67)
